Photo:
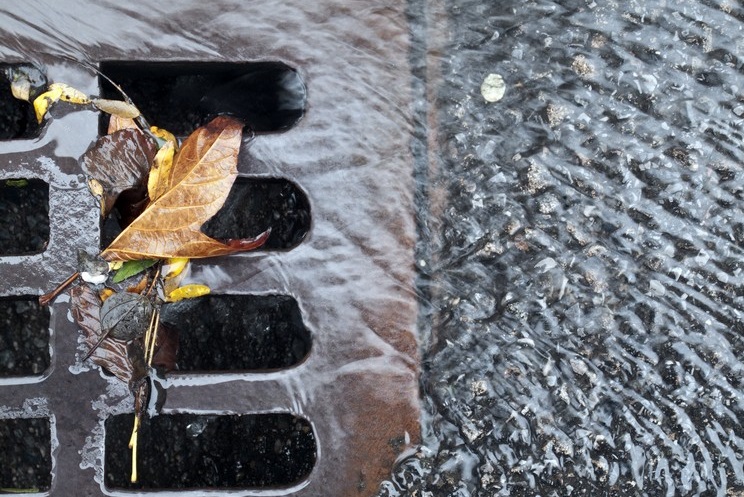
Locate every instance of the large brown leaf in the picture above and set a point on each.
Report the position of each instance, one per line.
(195, 188)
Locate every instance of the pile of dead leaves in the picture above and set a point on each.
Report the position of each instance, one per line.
(162, 192)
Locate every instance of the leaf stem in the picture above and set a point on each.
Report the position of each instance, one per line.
(154, 279)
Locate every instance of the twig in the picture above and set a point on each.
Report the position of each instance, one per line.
(153, 338)
(141, 119)
(49, 296)
(133, 446)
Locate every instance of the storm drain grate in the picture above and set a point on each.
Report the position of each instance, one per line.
(299, 371)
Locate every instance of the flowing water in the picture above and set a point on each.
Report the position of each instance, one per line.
(584, 267)
(580, 240)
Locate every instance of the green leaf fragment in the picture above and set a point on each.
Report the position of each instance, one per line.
(16, 183)
(131, 268)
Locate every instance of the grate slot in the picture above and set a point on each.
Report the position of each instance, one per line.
(27, 455)
(198, 451)
(180, 96)
(257, 204)
(24, 216)
(17, 118)
(24, 341)
(238, 332)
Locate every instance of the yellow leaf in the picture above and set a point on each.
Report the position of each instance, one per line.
(160, 171)
(116, 108)
(43, 101)
(96, 188)
(174, 266)
(164, 134)
(105, 294)
(187, 292)
(70, 94)
(116, 265)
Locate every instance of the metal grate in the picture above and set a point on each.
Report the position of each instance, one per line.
(339, 380)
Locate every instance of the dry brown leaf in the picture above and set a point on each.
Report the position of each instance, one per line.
(111, 355)
(117, 123)
(194, 190)
(117, 163)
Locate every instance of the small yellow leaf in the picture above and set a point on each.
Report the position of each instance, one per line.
(164, 134)
(116, 265)
(187, 292)
(157, 182)
(43, 101)
(96, 188)
(70, 94)
(116, 107)
(174, 266)
(105, 294)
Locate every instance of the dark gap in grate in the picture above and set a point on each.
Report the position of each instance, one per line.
(180, 96)
(25, 455)
(238, 332)
(257, 204)
(253, 205)
(17, 118)
(24, 339)
(189, 451)
(24, 216)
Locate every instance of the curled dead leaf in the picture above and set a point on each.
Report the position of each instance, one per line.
(117, 123)
(161, 168)
(190, 291)
(116, 108)
(116, 163)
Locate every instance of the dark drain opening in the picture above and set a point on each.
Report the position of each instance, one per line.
(24, 339)
(257, 204)
(253, 206)
(17, 118)
(179, 451)
(238, 332)
(180, 96)
(24, 216)
(25, 455)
